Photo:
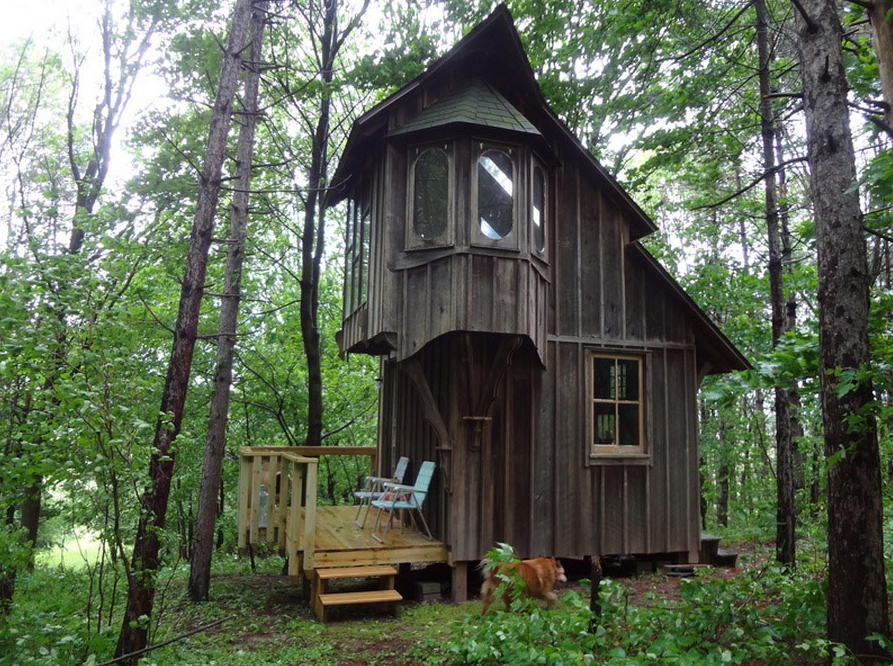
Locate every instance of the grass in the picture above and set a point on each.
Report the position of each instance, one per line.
(272, 624)
(80, 548)
(268, 622)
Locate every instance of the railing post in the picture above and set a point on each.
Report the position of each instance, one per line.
(282, 508)
(256, 468)
(244, 490)
(271, 498)
(310, 515)
(295, 523)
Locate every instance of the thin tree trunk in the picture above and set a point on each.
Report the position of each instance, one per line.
(790, 322)
(722, 496)
(200, 571)
(7, 574)
(857, 591)
(145, 563)
(785, 538)
(313, 235)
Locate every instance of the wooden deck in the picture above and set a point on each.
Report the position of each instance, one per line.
(340, 543)
(277, 506)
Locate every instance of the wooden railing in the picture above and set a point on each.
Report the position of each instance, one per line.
(274, 483)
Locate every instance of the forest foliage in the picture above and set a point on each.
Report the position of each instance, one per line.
(98, 197)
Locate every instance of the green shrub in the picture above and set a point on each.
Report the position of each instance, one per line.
(768, 616)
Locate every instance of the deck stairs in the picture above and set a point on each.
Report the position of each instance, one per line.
(322, 599)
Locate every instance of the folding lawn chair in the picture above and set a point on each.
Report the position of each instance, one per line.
(374, 491)
(404, 498)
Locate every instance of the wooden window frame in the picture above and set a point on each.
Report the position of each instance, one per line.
(519, 196)
(536, 163)
(617, 451)
(357, 251)
(349, 250)
(412, 241)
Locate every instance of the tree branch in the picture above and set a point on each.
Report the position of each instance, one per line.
(197, 630)
(154, 316)
(714, 36)
(750, 185)
(810, 24)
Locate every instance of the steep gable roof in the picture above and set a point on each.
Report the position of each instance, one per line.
(476, 103)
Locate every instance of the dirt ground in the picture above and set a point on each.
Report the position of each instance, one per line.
(270, 615)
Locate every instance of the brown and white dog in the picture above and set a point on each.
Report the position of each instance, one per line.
(540, 576)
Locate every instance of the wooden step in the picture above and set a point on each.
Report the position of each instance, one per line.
(355, 572)
(726, 558)
(682, 570)
(369, 597)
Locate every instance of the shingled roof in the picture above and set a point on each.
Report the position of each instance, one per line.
(476, 103)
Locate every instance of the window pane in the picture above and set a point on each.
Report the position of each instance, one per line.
(603, 423)
(431, 194)
(495, 194)
(364, 256)
(627, 379)
(603, 378)
(538, 210)
(628, 425)
(348, 251)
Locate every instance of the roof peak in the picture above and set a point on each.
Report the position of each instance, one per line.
(473, 102)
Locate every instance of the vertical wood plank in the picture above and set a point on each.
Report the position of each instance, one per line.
(668, 453)
(295, 523)
(282, 503)
(694, 539)
(624, 521)
(271, 499)
(310, 516)
(244, 492)
(254, 500)
(612, 271)
(580, 441)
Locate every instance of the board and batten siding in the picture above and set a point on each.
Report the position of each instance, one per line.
(603, 301)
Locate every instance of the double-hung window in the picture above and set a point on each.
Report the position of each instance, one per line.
(616, 404)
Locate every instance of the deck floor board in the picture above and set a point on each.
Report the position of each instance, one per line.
(339, 542)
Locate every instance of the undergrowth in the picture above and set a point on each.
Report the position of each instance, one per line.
(762, 616)
(765, 616)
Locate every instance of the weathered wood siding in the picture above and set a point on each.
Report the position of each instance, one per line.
(530, 480)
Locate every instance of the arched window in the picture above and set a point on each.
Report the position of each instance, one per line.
(538, 209)
(495, 194)
(430, 199)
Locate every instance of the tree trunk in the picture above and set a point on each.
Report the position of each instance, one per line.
(200, 571)
(857, 591)
(790, 321)
(722, 495)
(313, 236)
(30, 512)
(145, 561)
(7, 574)
(785, 540)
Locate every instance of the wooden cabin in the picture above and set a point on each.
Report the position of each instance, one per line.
(528, 343)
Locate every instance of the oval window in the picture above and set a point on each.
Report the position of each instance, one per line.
(538, 210)
(430, 206)
(495, 209)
